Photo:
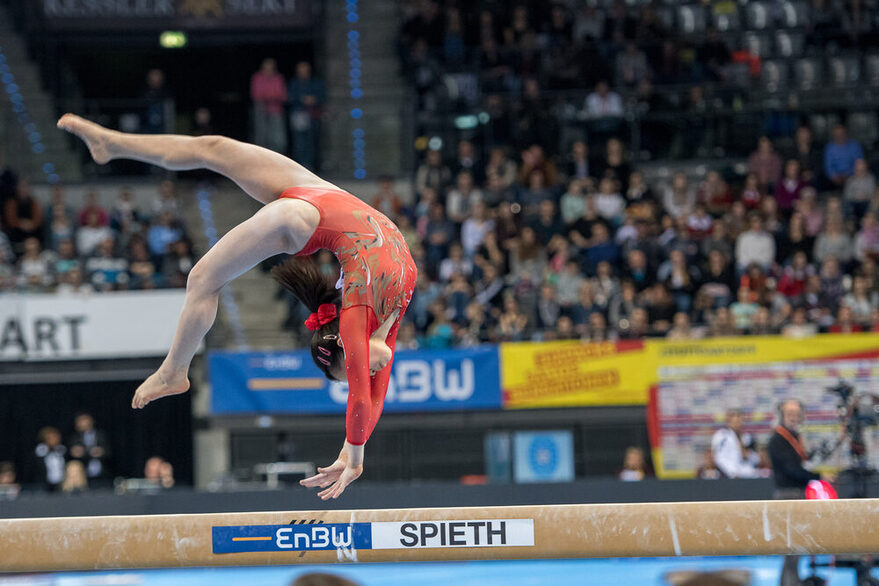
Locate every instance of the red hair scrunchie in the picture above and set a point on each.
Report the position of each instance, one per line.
(324, 315)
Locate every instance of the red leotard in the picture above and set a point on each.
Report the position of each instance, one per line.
(379, 277)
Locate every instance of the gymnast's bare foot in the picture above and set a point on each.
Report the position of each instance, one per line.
(94, 136)
(156, 387)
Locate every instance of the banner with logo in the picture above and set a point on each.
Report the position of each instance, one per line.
(100, 325)
(697, 383)
(289, 382)
(106, 15)
(568, 374)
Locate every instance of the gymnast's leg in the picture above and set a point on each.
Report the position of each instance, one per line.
(262, 173)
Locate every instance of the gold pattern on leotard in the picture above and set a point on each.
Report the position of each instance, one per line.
(377, 265)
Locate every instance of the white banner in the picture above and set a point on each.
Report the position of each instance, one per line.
(99, 325)
(454, 533)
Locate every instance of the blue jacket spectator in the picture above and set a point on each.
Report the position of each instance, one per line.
(840, 156)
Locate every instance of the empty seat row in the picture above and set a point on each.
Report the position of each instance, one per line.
(809, 73)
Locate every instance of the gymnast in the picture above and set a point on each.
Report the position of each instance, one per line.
(354, 328)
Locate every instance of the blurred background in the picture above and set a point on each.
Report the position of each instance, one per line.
(639, 227)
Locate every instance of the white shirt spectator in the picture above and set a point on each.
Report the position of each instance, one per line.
(449, 267)
(726, 450)
(610, 105)
(754, 247)
(88, 238)
(609, 206)
(473, 234)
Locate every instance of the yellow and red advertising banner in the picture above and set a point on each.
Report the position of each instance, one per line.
(565, 374)
(688, 386)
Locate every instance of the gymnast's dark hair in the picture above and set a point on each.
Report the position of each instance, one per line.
(302, 277)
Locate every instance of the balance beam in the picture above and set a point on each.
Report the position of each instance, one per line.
(477, 533)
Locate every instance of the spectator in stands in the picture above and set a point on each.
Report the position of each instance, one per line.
(682, 328)
(159, 472)
(681, 279)
(755, 245)
(439, 234)
(733, 450)
(440, 333)
(578, 161)
(60, 227)
(807, 155)
(795, 240)
(679, 198)
(387, 200)
(840, 155)
(23, 215)
(834, 242)
(631, 66)
(866, 241)
(813, 214)
(845, 322)
(455, 264)
(166, 200)
(792, 283)
(715, 194)
(765, 164)
(92, 206)
(7, 256)
(141, 268)
(789, 185)
(73, 282)
(35, 265)
(603, 103)
(91, 234)
(534, 124)
(177, 264)
(743, 310)
(460, 199)
(660, 307)
(268, 94)
(50, 456)
(9, 487)
(573, 203)
(58, 199)
(75, 480)
(859, 190)
(433, 173)
(159, 106)
(501, 167)
(306, 96)
(105, 270)
(124, 209)
(609, 204)
(548, 308)
(634, 465)
(476, 228)
(861, 301)
(161, 234)
(722, 323)
(90, 447)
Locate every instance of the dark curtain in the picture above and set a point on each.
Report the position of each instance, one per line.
(163, 428)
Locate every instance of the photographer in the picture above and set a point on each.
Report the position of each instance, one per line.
(733, 450)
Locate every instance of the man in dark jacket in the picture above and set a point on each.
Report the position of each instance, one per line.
(787, 454)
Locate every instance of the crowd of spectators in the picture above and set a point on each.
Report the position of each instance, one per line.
(52, 246)
(276, 100)
(539, 69)
(82, 463)
(518, 246)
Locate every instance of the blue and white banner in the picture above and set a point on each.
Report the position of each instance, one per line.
(289, 382)
(378, 535)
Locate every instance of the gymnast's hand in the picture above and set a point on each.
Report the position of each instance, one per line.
(345, 470)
